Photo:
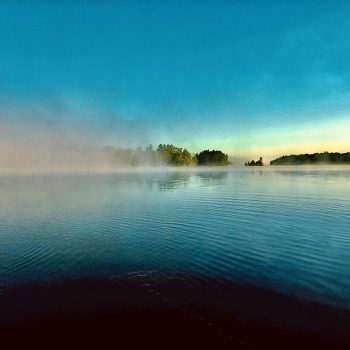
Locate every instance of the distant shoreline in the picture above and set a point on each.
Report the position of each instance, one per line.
(163, 155)
(325, 158)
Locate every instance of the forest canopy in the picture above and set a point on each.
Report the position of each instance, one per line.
(216, 158)
(165, 154)
(315, 158)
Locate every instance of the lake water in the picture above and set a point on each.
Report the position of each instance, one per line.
(285, 230)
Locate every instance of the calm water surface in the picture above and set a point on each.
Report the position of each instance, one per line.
(283, 229)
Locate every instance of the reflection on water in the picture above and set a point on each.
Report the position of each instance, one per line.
(169, 182)
(281, 229)
(179, 179)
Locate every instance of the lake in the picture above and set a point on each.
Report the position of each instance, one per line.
(260, 243)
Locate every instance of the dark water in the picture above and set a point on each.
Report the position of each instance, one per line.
(263, 238)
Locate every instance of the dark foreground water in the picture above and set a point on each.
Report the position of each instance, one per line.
(246, 253)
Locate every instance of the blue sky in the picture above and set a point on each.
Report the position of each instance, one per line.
(250, 77)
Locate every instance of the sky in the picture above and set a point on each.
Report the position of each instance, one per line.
(252, 78)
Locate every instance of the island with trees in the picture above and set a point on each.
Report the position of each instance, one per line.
(315, 158)
(255, 162)
(163, 155)
(212, 158)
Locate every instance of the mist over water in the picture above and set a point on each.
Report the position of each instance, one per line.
(46, 138)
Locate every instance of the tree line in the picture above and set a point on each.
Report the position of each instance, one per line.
(164, 154)
(258, 162)
(315, 158)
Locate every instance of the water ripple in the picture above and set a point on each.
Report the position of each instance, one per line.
(284, 229)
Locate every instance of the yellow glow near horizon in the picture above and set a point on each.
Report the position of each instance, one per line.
(270, 143)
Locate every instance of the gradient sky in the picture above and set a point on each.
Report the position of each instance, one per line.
(249, 77)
